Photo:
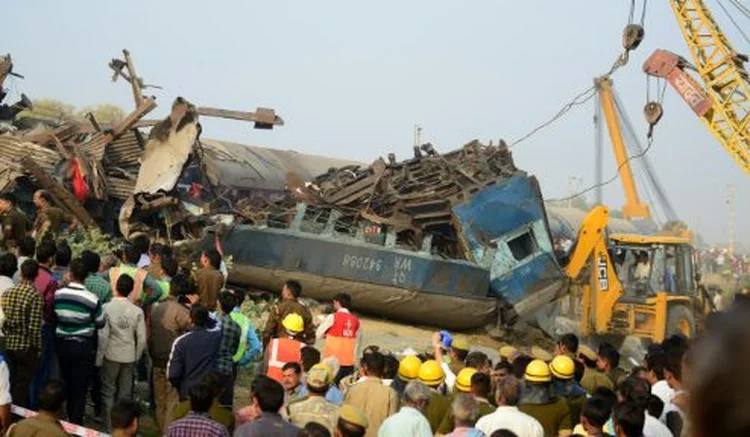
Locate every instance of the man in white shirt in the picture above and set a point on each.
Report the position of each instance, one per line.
(508, 416)
(410, 419)
(457, 353)
(655, 362)
(637, 391)
(5, 398)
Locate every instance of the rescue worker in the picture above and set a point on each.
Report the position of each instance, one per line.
(290, 292)
(567, 345)
(408, 370)
(15, 223)
(146, 289)
(457, 354)
(50, 220)
(352, 422)
(314, 407)
(342, 334)
(592, 377)
(564, 384)
(539, 402)
(431, 374)
(285, 349)
(478, 385)
(608, 362)
(249, 346)
(378, 401)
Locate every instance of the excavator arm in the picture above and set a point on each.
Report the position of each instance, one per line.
(604, 288)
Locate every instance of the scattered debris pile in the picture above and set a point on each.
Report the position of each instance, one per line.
(412, 197)
(93, 170)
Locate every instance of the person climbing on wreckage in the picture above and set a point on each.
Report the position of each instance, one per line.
(50, 220)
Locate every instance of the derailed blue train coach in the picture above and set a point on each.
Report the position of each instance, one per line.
(508, 269)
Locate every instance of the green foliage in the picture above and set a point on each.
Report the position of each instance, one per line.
(51, 109)
(258, 312)
(92, 239)
(105, 113)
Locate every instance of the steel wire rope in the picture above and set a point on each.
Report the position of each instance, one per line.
(737, 26)
(610, 180)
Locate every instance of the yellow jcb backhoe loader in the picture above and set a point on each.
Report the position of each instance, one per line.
(644, 286)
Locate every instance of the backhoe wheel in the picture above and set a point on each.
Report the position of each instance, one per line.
(680, 320)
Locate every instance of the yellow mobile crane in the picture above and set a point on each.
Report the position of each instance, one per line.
(724, 102)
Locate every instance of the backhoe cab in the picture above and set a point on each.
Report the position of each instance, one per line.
(638, 285)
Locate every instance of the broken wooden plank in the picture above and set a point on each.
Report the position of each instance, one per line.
(64, 197)
(263, 117)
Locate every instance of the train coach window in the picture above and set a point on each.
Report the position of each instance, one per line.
(522, 246)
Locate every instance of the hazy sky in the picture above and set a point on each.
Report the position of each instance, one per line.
(352, 78)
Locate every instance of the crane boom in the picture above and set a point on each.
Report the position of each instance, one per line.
(727, 84)
(633, 207)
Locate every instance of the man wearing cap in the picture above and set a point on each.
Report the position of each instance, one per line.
(457, 353)
(410, 420)
(592, 377)
(342, 334)
(314, 407)
(477, 384)
(539, 402)
(565, 386)
(352, 422)
(285, 349)
(432, 375)
(378, 401)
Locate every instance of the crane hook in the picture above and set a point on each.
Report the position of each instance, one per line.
(653, 112)
(632, 36)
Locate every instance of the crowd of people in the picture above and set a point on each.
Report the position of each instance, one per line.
(89, 326)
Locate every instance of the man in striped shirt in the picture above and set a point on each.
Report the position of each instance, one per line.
(79, 316)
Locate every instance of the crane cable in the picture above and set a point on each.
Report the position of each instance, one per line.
(590, 92)
(737, 26)
(610, 180)
(744, 10)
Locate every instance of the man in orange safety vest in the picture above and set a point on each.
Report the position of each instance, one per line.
(341, 331)
(285, 349)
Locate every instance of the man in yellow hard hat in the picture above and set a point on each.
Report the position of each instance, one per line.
(408, 370)
(432, 375)
(565, 386)
(478, 385)
(285, 349)
(457, 353)
(539, 402)
(289, 304)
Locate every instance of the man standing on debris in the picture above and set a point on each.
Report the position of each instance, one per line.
(15, 223)
(209, 279)
(49, 219)
(290, 292)
(342, 334)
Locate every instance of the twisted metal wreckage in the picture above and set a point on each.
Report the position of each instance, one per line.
(462, 236)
